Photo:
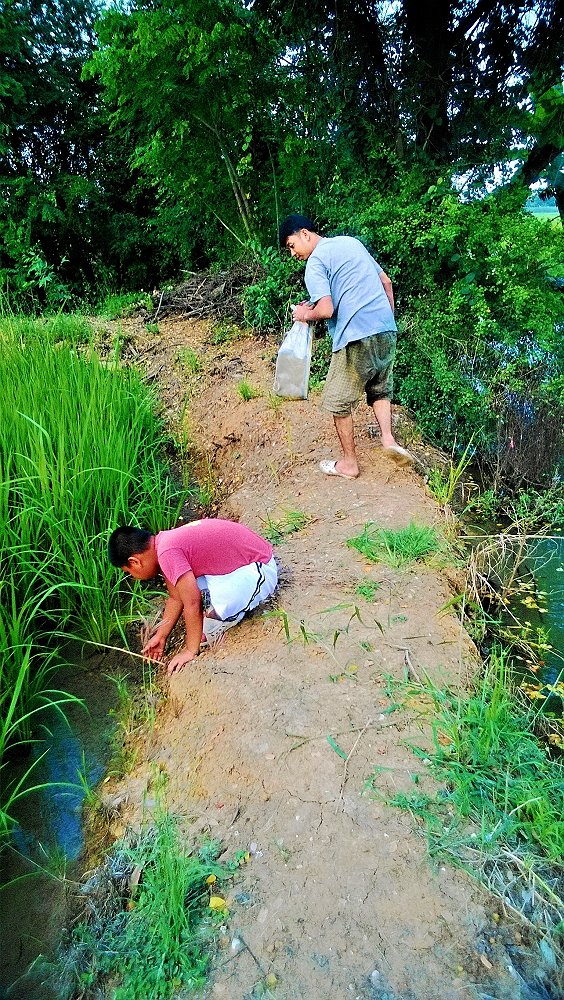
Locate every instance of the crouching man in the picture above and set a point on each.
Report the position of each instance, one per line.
(215, 571)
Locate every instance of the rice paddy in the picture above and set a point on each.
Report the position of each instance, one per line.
(80, 450)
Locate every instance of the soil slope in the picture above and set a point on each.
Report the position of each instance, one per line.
(338, 898)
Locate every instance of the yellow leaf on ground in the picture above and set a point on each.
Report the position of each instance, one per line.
(217, 903)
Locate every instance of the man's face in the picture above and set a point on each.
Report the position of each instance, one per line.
(300, 244)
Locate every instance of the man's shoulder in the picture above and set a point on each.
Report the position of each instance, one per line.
(341, 246)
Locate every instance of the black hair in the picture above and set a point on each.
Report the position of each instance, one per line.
(125, 542)
(292, 224)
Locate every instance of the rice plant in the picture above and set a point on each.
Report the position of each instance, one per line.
(79, 452)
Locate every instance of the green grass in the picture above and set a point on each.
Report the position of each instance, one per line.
(397, 548)
(226, 333)
(190, 360)
(247, 391)
(157, 945)
(320, 360)
(368, 589)
(150, 926)
(117, 305)
(79, 453)
(290, 522)
(499, 807)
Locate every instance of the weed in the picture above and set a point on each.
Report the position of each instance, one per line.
(190, 361)
(397, 548)
(531, 511)
(275, 402)
(288, 524)
(443, 486)
(368, 589)
(115, 306)
(226, 333)
(247, 391)
(152, 327)
(90, 797)
(151, 922)
(135, 714)
(499, 807)
(208, 488)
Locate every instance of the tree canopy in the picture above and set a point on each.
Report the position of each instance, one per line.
(155, 134)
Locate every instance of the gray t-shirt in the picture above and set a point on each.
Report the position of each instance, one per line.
(340, 266)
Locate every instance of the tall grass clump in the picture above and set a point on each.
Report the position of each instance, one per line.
(499, 810)
(397, 547)
(151, 918)
(79, 452)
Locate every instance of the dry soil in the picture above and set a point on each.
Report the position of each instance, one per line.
(339, 898)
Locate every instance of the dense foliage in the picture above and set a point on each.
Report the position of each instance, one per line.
(142, 139)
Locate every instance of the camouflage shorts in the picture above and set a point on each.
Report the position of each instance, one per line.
(365, 366)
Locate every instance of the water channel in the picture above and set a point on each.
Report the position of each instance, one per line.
(41, 866)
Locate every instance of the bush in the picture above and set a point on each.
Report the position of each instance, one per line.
(266, 303)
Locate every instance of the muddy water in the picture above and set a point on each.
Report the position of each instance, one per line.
(47, 845)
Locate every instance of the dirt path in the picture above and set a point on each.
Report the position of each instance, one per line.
(338, 899)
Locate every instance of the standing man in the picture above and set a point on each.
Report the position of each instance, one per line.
(349, 289)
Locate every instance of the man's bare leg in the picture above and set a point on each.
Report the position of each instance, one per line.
(348, 464)
(383, 413)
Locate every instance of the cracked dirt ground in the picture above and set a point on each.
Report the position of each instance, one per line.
(338, 898)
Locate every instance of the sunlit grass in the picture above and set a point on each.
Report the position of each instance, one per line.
(397, 548)
(79, 453)
(499, 807)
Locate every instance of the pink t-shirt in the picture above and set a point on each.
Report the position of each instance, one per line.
(211, 547)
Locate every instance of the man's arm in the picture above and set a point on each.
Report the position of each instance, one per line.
(388, 289)
(307, 313)
(188, 593)
(154, 647)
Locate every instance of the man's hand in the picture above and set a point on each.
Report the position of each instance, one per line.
(178, 661)
(307, 312)
(154, 647)
(298, 312)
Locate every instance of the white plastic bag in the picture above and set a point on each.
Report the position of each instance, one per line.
(293, 361)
